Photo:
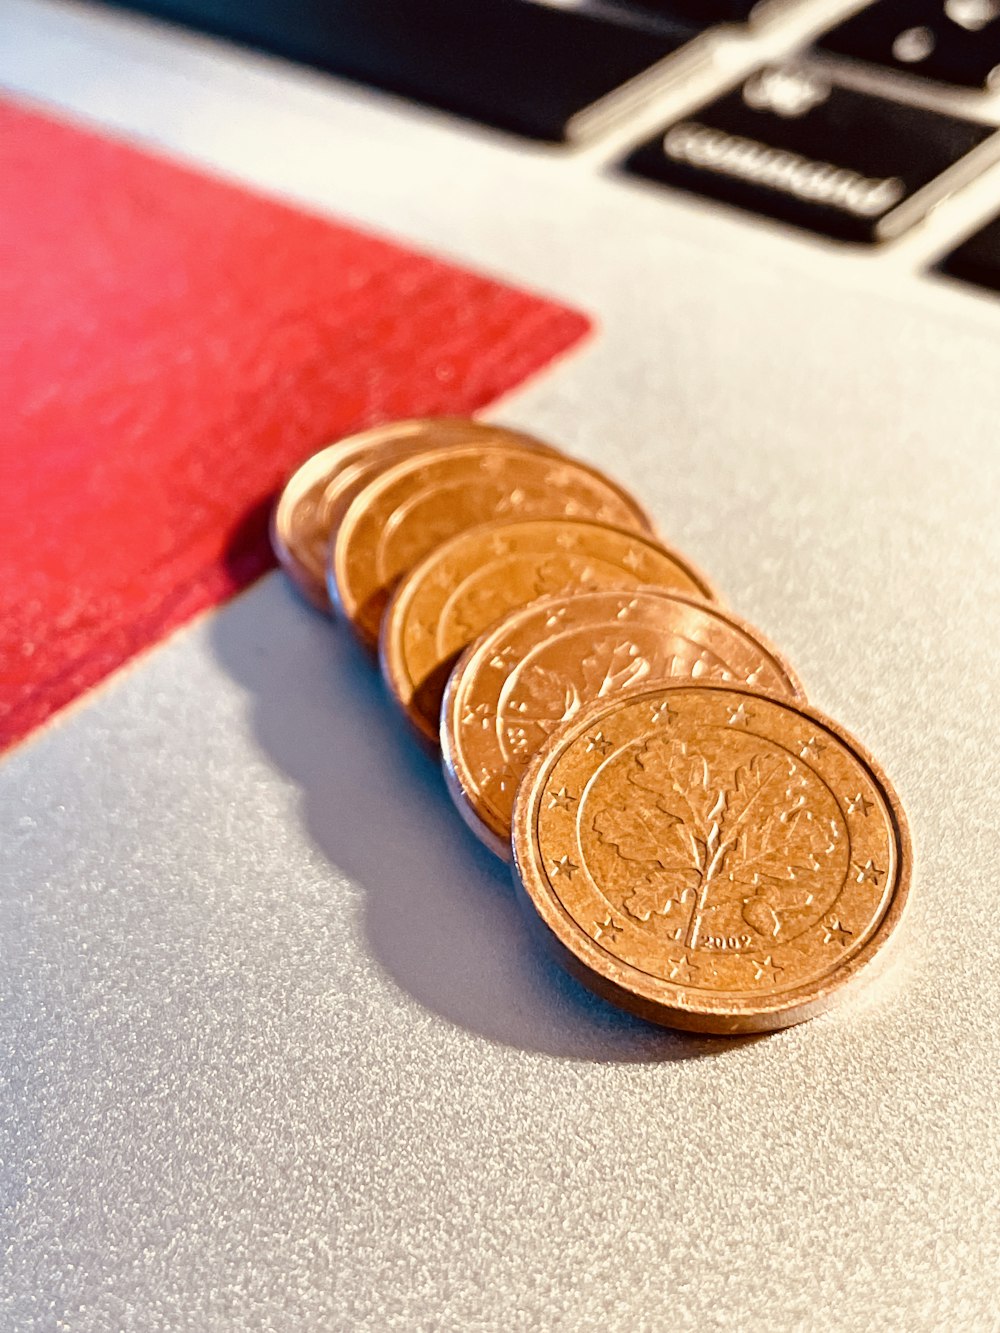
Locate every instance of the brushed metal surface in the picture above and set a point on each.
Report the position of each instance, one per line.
(277, 1050)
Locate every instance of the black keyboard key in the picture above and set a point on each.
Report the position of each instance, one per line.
(977, 260)
(704, 13)
(951, 41)
(520, 66)
(789, 145)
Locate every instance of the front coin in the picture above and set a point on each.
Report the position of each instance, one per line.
(466, 584)
(419, 503)
(539, 665)
(711, 857)
(302, 517)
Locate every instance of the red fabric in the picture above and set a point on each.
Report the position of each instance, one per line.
(170, 346)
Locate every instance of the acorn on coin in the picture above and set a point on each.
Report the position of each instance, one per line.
(540, 664)
(301, 519)
(420, 502)
(467, 583)
(711, 857)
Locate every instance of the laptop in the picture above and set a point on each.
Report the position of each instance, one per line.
(279, 1049)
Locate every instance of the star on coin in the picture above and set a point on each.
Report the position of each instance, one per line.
(559, 478)
(502, 780)
(481, 715)
(681, 969)
(463, 626)
(566, 541)
(502, 660)
(740, 716)
(608, 927)
(600, 743)
(661, 713)
(564, 866)
(512, 500)
(868, 872)
(765, 969)
(632, 560)
(834, 932)
(562, 800)
(859, 802)
(812, 747)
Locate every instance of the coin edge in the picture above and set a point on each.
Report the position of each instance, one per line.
(337, 584)
(456, 768)
(391, 656)
(789, 1008)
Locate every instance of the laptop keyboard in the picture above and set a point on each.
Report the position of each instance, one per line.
(858, 136)
(515, 65)
(955, 42)
(792, 146)
(977, 260)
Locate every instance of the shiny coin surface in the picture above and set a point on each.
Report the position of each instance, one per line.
(540, 664)
(351, 481)
(711, 857)
(466, 584)
(302, 517)
(419, 503)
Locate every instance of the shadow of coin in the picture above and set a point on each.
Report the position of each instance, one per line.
(427, 698)
(369, 615)
(440, 912)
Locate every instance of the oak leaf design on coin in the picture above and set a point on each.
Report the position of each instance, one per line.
(697, 838)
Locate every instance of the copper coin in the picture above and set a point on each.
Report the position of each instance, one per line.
(301, 520)
(419, 503)
(711, 857)
(351, 481)
(539, 665)
(465, 585)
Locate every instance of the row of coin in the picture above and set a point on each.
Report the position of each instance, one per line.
(694, 841)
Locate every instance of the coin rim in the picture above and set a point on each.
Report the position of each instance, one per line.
(360, 442)
(696, 1013)
(353, 478)
(457, 771)
(391, 658)
(338, 584)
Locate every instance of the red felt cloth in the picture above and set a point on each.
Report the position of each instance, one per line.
(170, 346)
